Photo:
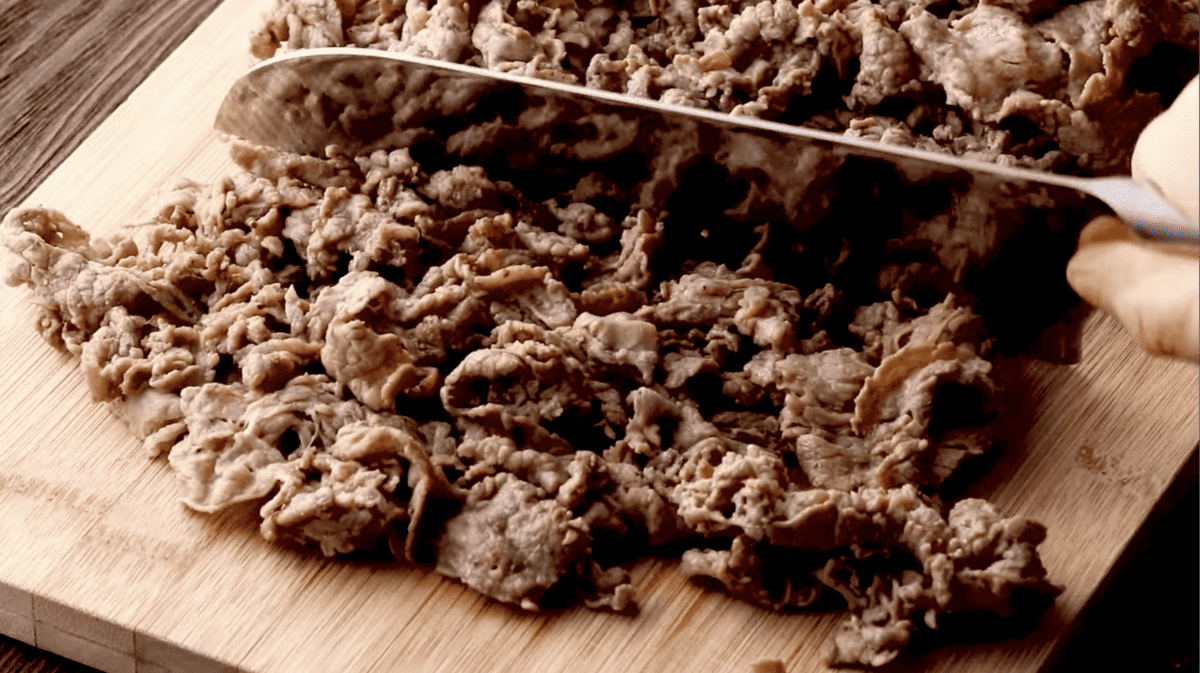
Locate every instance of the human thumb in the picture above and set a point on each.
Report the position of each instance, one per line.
(1167, 154)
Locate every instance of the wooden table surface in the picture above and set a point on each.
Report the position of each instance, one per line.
(66, 64)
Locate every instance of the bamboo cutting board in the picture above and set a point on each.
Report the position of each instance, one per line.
(102, 565)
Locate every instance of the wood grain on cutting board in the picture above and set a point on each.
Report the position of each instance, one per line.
(103, 565)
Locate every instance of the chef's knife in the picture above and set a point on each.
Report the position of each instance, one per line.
(853, 212)
(361, 100)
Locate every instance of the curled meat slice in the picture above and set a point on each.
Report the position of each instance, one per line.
(348, 228)
(500, 40)
(768, 320)
(77, 280)
(268, 366)
(620, 281)
(374, 482)
(215, 467)
(658, 423)
(887, 65)
(376, 367)
(974, 561)
(232, 441)
(363, 349)
(112, 360)
(153, 416)
(530, 379)
(739, 494)
(434, 30)
(696, 299)
(820, 387)
(513, 546)
(343, 508)
(982, 58)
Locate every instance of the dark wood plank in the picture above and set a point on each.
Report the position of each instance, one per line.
(65, 65)
(17, 657)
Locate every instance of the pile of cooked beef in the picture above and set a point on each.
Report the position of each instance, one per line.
(528, 394)
(1050, 84)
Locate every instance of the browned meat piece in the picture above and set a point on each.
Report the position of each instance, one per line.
(375, 482)
(511, 544)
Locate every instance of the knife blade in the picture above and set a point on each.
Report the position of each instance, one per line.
(1001, 236)
(362, 100)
